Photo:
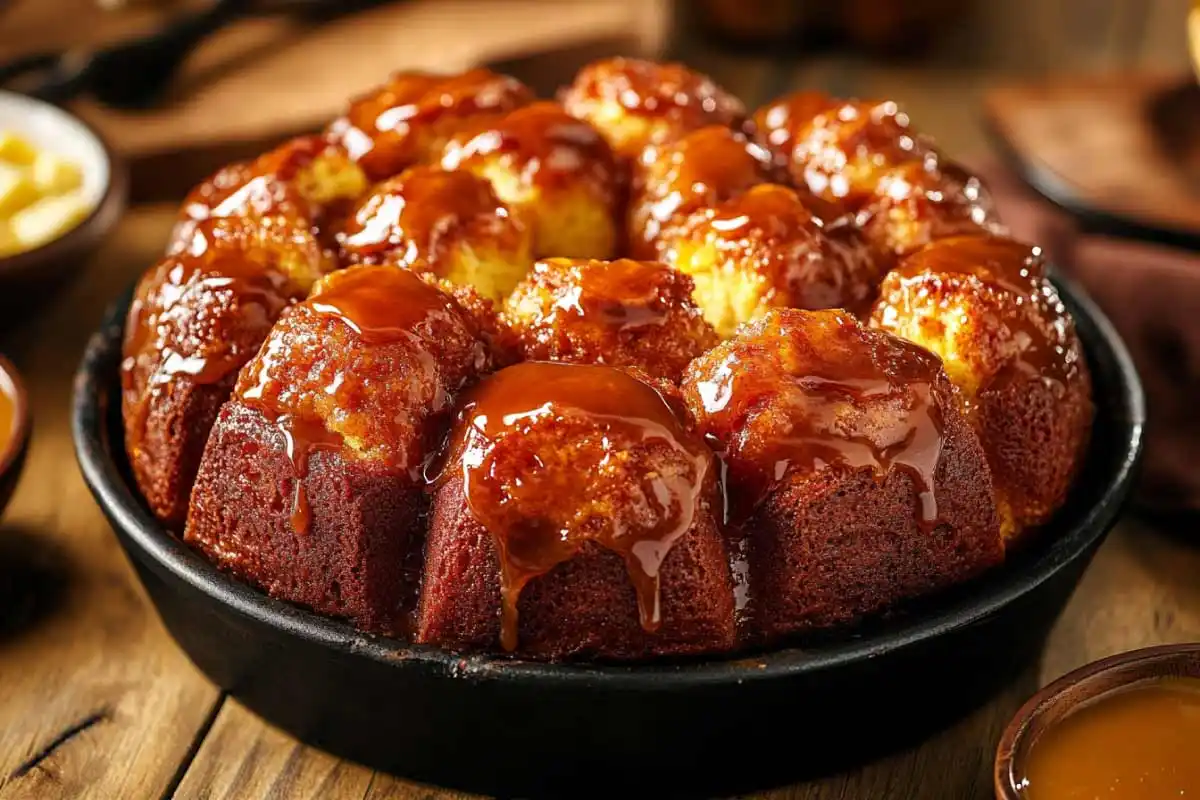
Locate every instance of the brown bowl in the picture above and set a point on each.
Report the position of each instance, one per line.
(28, 277)
(1085, 684)
(13, 449)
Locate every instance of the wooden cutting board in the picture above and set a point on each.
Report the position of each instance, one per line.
(267, 78)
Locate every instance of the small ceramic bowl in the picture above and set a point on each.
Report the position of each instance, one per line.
(15, 443)
(28, 276)
(1085, 684)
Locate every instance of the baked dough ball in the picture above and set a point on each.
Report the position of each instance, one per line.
(408, 120)
(983, 304)
(449, 224)
(622, 313)
(765, 249)
(703, 168)
(854, 481)
(282, 204)
(636, 103)
(557, 172)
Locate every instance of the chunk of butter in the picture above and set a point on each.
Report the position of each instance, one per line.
(16, 149)
(17, 190)
(48, 219)
(54, 174)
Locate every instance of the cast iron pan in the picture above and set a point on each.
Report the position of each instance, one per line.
(506, 727)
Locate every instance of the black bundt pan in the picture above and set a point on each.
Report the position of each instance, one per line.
(515, 728)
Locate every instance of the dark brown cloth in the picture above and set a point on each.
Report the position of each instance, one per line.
(1152, 295)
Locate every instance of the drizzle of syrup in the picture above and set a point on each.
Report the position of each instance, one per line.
(152, 326)
(381, 306)
(8, 415)
(859, 399)
(539, 511)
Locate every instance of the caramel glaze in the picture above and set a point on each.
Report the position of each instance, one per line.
(768, 231)
(839, 149)
(1038, 339)
(798, 392)
(704, 168)
(8, 417)
(556, 455)
(408, 120)
(670, 98)
(621, 313)
(198, 315)
(266, 204)
(416, 219)
(545, 147)
(915, 204)
(361, 367)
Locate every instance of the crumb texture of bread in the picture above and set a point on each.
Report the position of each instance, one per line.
(554, 171)
(609, 548)
(765, 249)
(448, 224)
(621, 313)
(984, 305)
(853, 478)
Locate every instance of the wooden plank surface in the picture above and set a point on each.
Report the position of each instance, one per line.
(81, 646)
(84, 650)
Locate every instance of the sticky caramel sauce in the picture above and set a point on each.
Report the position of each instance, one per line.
(1037, 323)
(656, 89)
(622, 294)
(556, 455)
(197, 318)
(416, 217)
(379, 306)
(1140, 743)
(8, 415)
(704, 168)
(398, 124)
(847, 398)
(545, 146)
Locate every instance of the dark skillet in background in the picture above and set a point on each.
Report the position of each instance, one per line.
(506, 727)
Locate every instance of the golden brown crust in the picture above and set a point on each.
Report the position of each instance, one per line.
(983, 304)
(448, 224)
(622, 313)
(636, 103)
(408, 120)
(818, 418)
(557, 172)
(703, 168)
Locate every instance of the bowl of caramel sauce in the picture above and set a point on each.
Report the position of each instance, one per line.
(14, 429)
(1124, 727)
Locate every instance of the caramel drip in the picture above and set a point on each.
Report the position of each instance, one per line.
(621, 294)
(381, 306)
(541, 512)
(153, 328)
(8, 416)
(815, 426)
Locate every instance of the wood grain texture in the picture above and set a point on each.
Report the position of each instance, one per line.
(78, 642)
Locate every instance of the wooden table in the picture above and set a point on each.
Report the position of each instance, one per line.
(96, 700)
